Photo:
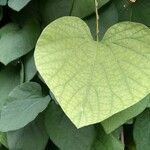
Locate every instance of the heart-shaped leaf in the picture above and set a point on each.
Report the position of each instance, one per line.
(141, 131)
(122, 117)
(56, 120)
(94, 80)
(23, 105)
(16, 42)
(31, 137)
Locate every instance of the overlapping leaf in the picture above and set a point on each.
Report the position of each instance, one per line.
(64, 134)
(80, 8)
(93, 81)
(17, 4)
(142, 131)
(29, 67)
(9, 79)
(106, 141)
(23, 105)
(53, 9)
(122, 117)
(15, 42)
(31, 137)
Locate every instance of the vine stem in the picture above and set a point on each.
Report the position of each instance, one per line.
(97, 21)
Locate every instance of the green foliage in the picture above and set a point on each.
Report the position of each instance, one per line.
(119, 119)
(16, 42)
(3, 2)
(22, 106)
(33, 136)
(142, 131)
(55, 77)
(106, 141)
(79, 64)
(64, 134)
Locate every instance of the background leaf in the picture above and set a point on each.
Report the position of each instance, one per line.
(137, 11)
(142, 131)
(122, 117)
(23, 105)
(106, 142)
(64, 134)
(3, 2)
(16, 42)
(31, 137)
(17, 4)
(108, 17)
(53, 9)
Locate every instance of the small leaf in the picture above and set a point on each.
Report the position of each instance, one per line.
(64, 134)
(23, 105)
(94, 80)
(142, 131)
(31, 137)
(16, 42)
(122, 117)
(106, 141)
(17, 4)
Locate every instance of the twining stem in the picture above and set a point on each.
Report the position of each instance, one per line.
(97, 20)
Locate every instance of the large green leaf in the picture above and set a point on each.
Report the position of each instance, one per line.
(120, 118)
(64, 134)
(15, 42)
(142, 131)
(138, 11)
(9, 79)
(53, 9)
(17, 4)
(31, 137)
(106, 141)
(94, 80)
(23, 105)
